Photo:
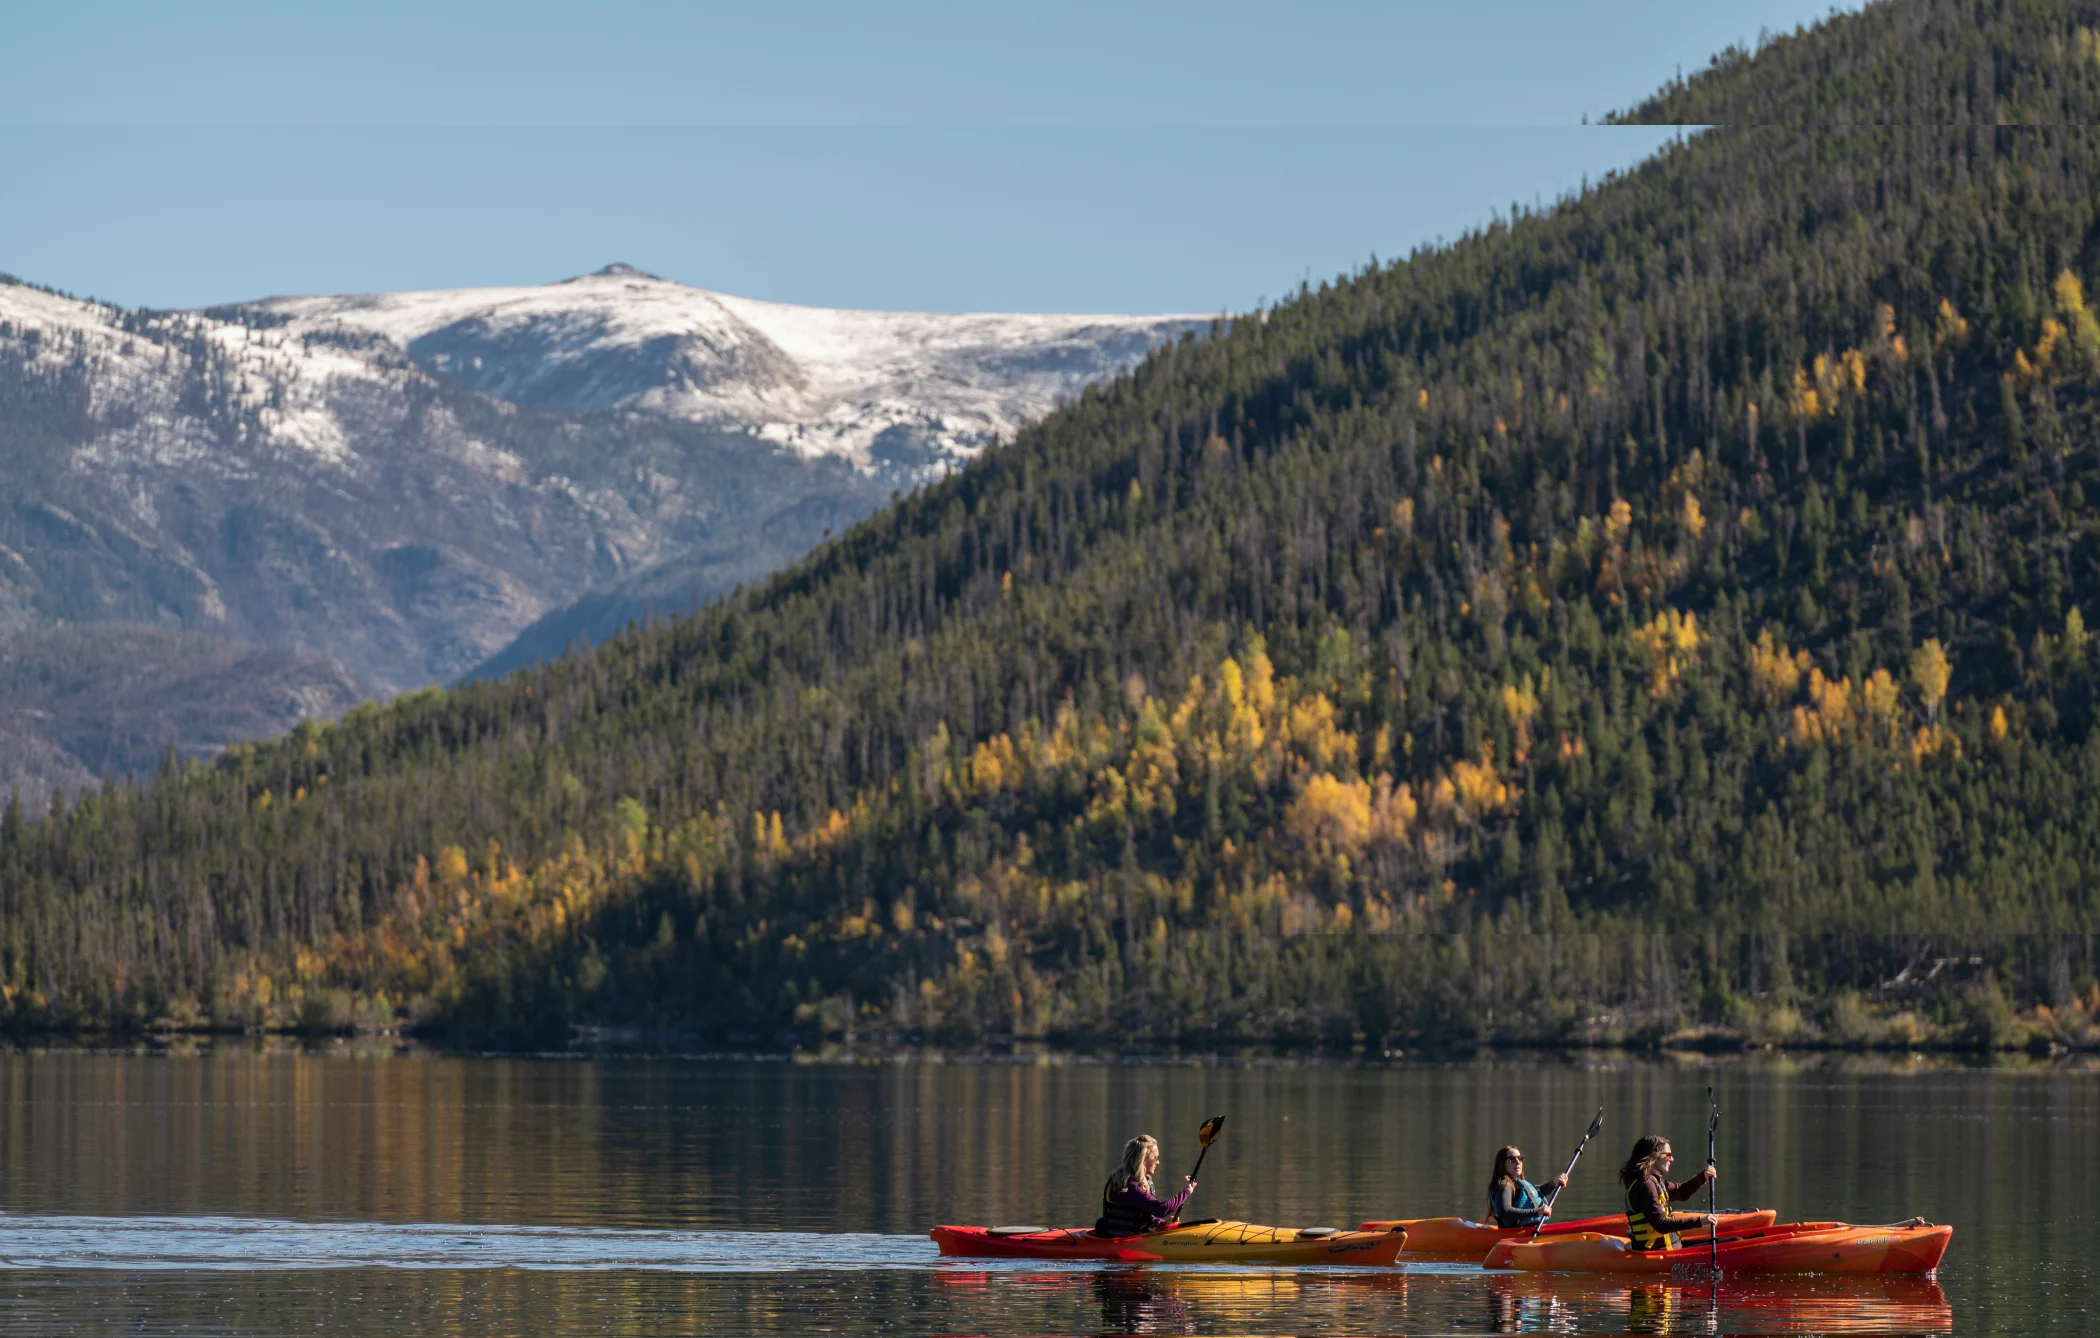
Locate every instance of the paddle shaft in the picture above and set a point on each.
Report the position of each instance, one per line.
(1199, 1161)
(1713, 1191)
(1595, 1125)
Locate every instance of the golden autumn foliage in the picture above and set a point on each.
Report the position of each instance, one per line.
(1931, 740)
(1950, 328)
(1829, 713)
(1776, 673)
(1841, 710)
(1473, 790)
(1929, 671)
(1868, 712)
(1881, 704)
(2068, 341)
(1670, 643)
(1520, 702)
(2082, 328)
(1331, 811)
(1619, 523)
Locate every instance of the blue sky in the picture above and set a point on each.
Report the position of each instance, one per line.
(1074, 156)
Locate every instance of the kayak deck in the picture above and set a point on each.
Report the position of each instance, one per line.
(1196, 1242)
(1458, 1236)
(1797, 1247)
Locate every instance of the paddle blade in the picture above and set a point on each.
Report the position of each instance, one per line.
(1596, 1125)
(1212, 1127)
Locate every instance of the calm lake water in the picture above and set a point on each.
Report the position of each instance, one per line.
(368, 1191)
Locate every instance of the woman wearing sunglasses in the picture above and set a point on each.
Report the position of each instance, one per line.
(1514, 1201)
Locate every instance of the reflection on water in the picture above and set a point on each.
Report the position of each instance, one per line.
(374, 1192)
(1552, 1303)
(1091, 1301)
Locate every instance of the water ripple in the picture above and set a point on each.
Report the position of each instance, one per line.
(50, 1241)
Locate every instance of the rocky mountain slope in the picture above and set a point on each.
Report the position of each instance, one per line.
(81, 703)
(402, 483)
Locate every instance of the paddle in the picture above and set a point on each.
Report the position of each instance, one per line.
(1207, 1135)
(1595, 1125)
(1713, 1191)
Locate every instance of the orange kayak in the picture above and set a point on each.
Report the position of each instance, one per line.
(1797, 1247)
(1214, 1242)
(1456, 1235)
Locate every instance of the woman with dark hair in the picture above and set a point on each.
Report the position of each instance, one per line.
(1514, 1201)
(1128, 1207)
(1649, 1222)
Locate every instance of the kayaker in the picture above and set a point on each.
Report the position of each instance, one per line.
(1514, 1201)
(1128, 1207)
(1650, 1224)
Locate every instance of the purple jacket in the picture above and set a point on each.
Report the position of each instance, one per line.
(1131, 1211)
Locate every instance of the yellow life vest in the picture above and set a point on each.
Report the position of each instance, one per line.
(1638, 1229)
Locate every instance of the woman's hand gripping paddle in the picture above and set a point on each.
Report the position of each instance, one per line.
(1207, 1135)
(1713, 1225)
(1596, 1126)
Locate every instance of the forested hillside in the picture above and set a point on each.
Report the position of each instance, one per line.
(1661, 611)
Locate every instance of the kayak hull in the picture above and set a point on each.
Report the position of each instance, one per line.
(1457, 1236)
(1799, 1247)
(1198, 1242)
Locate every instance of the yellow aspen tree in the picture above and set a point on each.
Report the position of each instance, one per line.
(1777, 673)
(1929, 672)
(1670, 642)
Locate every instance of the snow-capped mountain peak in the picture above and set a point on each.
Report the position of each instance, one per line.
(316, 473)
(913, 390)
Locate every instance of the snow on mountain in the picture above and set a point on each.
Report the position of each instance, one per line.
(404, 482)
(914, 391)
(279, 488)
(133, 369)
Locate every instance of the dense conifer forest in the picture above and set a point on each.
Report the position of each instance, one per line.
(1661, 612)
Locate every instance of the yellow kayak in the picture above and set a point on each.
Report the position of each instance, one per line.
(1213, 1242)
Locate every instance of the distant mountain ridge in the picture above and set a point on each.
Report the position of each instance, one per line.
(912, 392)
(402, 483)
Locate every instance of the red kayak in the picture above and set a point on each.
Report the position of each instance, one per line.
(1797, 1247)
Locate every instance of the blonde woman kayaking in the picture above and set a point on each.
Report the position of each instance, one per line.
(1649, 1222)
(1128, 1207)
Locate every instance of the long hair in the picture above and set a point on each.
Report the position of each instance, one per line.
(1496, 1175)
(1644, 1161)
(1132, 1171)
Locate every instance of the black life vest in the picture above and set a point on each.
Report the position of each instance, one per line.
(1640, 1230)
(1120, 1219)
